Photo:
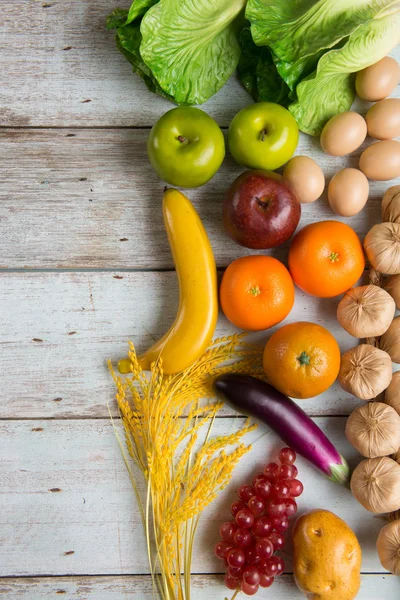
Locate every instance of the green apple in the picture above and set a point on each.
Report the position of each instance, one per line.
(263, 136)
(186, 147)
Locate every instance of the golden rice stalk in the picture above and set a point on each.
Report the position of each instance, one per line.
(167, 435)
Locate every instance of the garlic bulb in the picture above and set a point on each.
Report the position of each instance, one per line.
(390, 341)
(382, 245)
(392, 286)
(366, 311)
(375, 483)
(392, 394)
(365, 371)
(388, 546)
(396, 457)
(391, 205)
(374, 429)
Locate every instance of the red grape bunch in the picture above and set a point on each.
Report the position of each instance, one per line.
(261, 517)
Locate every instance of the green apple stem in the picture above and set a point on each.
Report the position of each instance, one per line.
(182, 139)
(263, 135)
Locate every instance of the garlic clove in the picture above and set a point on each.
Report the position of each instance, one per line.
(390, 341)
(365, 371)
(388, 547)
(382, 246)
(366, 311)
(374, 429)
(392, 286)
(375, 483)
(391, 205)
(392, 394)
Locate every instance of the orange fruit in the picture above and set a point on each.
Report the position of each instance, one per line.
(256, 292)
(326, 259)
(301, 360)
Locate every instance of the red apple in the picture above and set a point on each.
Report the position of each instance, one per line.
(260, 211)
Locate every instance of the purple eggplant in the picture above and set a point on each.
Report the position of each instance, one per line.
(257, 399)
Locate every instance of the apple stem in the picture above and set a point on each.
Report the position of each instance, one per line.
(181, 139)
(263, 135)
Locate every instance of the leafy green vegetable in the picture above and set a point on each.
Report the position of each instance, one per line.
(138, 9)
(331, 88)
(117, 18)
(257, 72)
(191, 46)
(300, 31)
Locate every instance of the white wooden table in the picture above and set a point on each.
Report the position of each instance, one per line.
(85, 267)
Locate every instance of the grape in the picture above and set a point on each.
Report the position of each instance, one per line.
(251, 576)
(280, 524)
(291, 507)
(252, 556)
(263, 487)
(287, 472)
(296, 487)
(277, 540)
(231, 583)
(256, 505)
(227, 531)
(236, 558)
(266, 581)
(287, 456)
(273, 566)
(277, 508)
(249, 590)
(246, 492)
(264, 548)
(272, 471)
(257, 478)
(235, 572)
(242, 538)
(222, 548)
(262, 527)
(281, 489)
(245, 519)
(237, 506)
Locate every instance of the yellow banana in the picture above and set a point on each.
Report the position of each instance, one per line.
(195, 322)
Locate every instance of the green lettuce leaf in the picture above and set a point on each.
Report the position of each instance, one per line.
(257, 72)
(138, 9)
(300, 31)
(191, 46)
(117, 18)
(331, 88)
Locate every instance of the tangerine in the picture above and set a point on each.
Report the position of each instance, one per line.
(256, 292)
(326, 259)
(301, 359)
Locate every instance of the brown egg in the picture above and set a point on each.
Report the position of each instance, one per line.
(343, 133)
(383, 119)
(305, 177)
(348, 192)
(379, 80)
(381, 161)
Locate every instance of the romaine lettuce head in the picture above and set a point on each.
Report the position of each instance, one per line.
(191, 46)
(330, 89)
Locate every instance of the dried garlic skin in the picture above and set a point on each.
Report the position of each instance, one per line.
(388, 547)
(382, 246)
(390, 341)
(365, 371)
(396, 457)
(392, 286)
(392, 394)
(366, 311)
(391, 205)
(374, 429)
(375, 483)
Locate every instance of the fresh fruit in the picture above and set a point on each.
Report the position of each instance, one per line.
(256, 292)
(326, 557)
(186, 147)
(263, 136)
(302, 360)
(194, 325)
(260, 211)
(326, 259)
(250, 556)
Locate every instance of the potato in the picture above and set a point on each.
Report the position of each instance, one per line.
(326, 557)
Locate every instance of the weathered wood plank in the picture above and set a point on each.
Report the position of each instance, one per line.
(93, 201)
(58, 330)
(373, 587)
(67, 507)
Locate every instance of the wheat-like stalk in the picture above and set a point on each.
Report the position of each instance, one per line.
(168, 436)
